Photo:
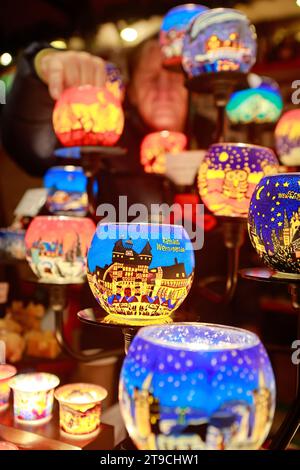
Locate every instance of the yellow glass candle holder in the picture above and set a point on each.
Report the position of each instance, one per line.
(80, 408)
(6, 373)
(33, 397)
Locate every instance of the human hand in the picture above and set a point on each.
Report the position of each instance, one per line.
(64, 69)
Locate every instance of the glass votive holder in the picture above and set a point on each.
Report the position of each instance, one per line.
(33, 397)
(80, 409)
(8, 446)
(6, 373)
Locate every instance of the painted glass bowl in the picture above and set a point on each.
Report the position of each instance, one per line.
(197, 386)
(56, 248)
(139, 272)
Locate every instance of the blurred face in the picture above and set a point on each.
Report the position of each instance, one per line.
(159, 95)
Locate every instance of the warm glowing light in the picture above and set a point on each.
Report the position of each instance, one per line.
(56, 248)
(139, 278)
(80, 408)
(88, 115)
(229, 173)
(274, 221)
(156, 145)
(129, 34)
(197, 386)
(59, 44)
(5, 59)
(33, 397)
(287, 138)
(298, 3)
(6, 373)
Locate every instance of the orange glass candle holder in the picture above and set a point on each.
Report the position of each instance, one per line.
(33, 397)
(6, 373)
(156, 145)
(80, 408)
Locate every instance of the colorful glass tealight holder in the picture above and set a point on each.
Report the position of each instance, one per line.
(56, 248)
(227, 178)
(274, 223)
(140, 272)
(219, 49)
(287, 138)
(80, 409)
(88, 115)
(7, 372)
(229, 174)
(194, 386)
(254, 106)
(156, 145)
(172, 31)
(88, 121)
(66, 186)
(219, 40)
(33, 397)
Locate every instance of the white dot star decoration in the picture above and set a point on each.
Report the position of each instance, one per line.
(200, 392)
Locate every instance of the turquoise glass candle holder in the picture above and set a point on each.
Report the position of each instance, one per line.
(139, 272)
(274, 222)
(197, 386)
(172, 31)
(257, 105)
(219, 40)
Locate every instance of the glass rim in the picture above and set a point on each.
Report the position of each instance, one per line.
(59, 217)
(53, 382)
(192, 347)
(101, 391)
(242, 145)
(11, 371)
(65, 167)
(139, 223)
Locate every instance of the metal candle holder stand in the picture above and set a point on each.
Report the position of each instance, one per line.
(220, 85)
(291, 422)
(57, 302)
(233, 234)
(98, 317)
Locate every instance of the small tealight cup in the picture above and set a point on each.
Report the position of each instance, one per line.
(6, 373)
(80, 409)
(33, 397)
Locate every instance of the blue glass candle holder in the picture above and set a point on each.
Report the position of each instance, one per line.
(66, 187)
(274, 222)
(197, 386)
(257, 105)
(173, 28)
(229, 173)
(219, 40)
(287, 138)
(140, 272)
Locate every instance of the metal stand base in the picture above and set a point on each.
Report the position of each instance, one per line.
(291, 423)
